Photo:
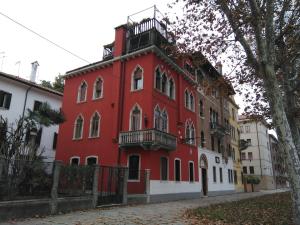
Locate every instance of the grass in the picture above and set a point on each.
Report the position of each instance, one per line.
(275, 209)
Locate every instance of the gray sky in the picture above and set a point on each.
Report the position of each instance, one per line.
(82, 27)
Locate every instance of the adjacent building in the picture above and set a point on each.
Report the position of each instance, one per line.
(256, 158)
(17, 95)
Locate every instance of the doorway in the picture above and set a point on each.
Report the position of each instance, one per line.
(204, 181)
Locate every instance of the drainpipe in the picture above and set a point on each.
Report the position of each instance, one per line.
(258, 145)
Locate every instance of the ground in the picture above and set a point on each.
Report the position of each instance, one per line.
(161, 213)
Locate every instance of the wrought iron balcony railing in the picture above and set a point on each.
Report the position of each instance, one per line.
(218, 129)
(150, 139)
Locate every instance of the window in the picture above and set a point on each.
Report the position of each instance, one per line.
(247, 129)
(92, 160)
(37, 105)
(133, 166)
(98, 89)
(5, 99)
(241, 129)
(229, 176)
(192, 102)
(233, 154)
(157, 118)
(157, 79)
(214, 174)
(137, 79)
(163, 168)
(245, 169)
(54, 141)
(164, 119)
(135, 119)
(81, 97)
(249, 141)
(201, 109)
(39, 137)
(171, 89)
(177, 170)
(74, 161)
(187, 132)
(235, 176)
(250, 155)
(191, 173)
(202, 139)
(95, 125)
(212, 142)
(187, 99)
(251, 168)
(221, 175)
(243, 155)
(190, 133)
(78, 127)
(164, 83)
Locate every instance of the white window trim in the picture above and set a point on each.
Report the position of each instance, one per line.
(164, 110)
(193, 172)
(94, 89)
(156, 107)
(174, 88)
(139, 174)
(132, 79)
(157, 68)
(179, 170)
(78, 92)
(168, 172)
(130, 116)
(74, 129)
(99, 123)
(91, 156)
(75, 157)
(164, 74)
(192, 127)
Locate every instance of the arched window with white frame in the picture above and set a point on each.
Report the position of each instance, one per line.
(82, 92)
(164, 83)
(192, 135)
(157, 118)
(186, 99)
(95, 125)
(78, 127)
(187, 132)
(192, 102)
(164, 119)
(171, 91)
(137, 79)
(98, 88)
(157, 79)
(136, 118)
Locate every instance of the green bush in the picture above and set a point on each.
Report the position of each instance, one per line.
(253, 180)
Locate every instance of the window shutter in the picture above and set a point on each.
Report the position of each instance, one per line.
(7, 102)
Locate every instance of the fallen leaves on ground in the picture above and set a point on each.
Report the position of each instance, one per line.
(275, 209)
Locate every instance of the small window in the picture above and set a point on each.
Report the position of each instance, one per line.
(177, 170)
(137, 80)
(192, 135)
(74, 161)
(164, 83)
(251, 168)
(157, 118)
(95, 125)
(243, 156)
(201, 109)
(250, 156)
(5, 99)
(157, 79)
(191, 171)
(164, 119)
(54, 141)
(133, 167)
(81, 97)
(249, 141)
(163, 168)
(235, 176)
(221, 175)
(192, 102)
(187, 99)
(136, 118)
(91, 161)
(214, 174)
(202, 139)
(98, 88)
(171, 89)
(36, 105)
(78, 128)
(241, 129)
(247, 129)
(229, 177)
(245, 169)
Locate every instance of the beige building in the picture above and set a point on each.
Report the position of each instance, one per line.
(256, 158)
(234, 142)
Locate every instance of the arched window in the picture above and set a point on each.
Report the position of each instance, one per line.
(192, 135)
(157, 118)
(164, 82)
(201, 108)
(135, 118)
(78, 127)
(164, 119)
(98, 89)
(95, 125)
(74, 161)
(157, 79)
(137, 79)
(81, 97)
(202, 139)
(192, 102)
(91, 160)
(187, 132)
(187, 99)
(171, 89)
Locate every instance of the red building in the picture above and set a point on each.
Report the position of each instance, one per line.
(135, 108)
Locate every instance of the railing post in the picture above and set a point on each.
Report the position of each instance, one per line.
(54, 195)
(95, 185)
(125, 181)
(147, 184)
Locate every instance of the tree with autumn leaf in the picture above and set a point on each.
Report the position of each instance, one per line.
(260, 40)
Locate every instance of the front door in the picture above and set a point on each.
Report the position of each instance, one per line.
(204, 181)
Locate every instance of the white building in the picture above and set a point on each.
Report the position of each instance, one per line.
(17, 95)
(256, 158)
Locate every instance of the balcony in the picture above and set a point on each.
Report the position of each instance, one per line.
(218, 130)
(151, 139)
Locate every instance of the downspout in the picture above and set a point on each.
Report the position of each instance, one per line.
(258, 145)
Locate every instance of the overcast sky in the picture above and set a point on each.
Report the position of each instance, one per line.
(82, 27)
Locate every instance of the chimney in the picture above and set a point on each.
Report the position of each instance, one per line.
(34, 67)
(219, 67)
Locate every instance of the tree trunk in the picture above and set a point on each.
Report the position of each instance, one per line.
(285, 137)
